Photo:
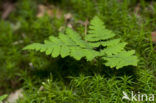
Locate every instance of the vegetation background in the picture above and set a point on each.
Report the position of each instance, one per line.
(42, 79)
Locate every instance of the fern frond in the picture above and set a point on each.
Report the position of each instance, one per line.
(65, 45)
(71, 44)
(100, 36)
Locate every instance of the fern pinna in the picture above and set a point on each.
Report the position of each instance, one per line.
(71, 44)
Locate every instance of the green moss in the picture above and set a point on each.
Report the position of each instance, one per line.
(19, 69)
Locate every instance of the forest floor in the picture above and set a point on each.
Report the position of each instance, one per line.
(37, 78)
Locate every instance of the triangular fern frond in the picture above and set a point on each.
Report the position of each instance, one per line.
(100, 36)
(71, 44)
(98, 31)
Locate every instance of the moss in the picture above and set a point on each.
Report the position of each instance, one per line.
(20, 69)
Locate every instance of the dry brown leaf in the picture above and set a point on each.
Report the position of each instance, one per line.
(41, 11)
(50, 10)
(153, 34)
(12, 98)
(7, 9)
(68, 16)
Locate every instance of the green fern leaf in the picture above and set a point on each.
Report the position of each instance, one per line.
(71, 44)
(113, 49)
(121, 59)
(65, 45)
(98, 31)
